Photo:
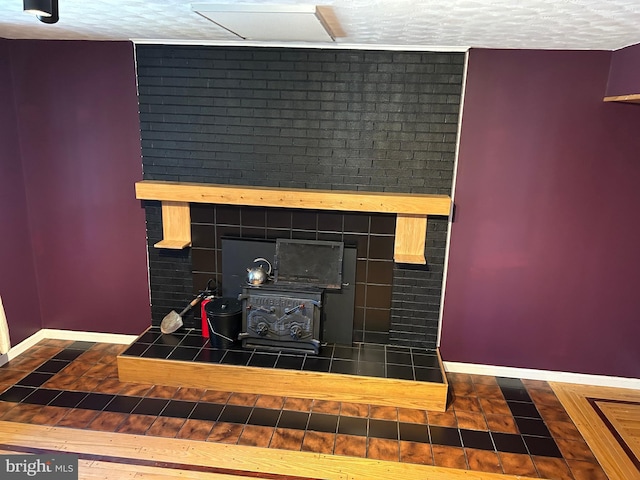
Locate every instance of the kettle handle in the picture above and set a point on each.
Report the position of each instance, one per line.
(264, 260)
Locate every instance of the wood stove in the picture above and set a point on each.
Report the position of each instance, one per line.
(281, 319)
(285, 315)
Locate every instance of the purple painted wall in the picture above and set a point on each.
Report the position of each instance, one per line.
(624, 74)
(545, 264)
(17, 272)
(544, 260)
(76, 109)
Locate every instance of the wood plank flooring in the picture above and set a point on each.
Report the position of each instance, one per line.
(625, 419)
(609, 421)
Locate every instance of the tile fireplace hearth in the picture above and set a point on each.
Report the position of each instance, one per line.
(385, 374)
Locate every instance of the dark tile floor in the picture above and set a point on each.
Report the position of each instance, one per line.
(369, 360)
(492, 424)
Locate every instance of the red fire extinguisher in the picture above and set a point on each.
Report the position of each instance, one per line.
(203, 313)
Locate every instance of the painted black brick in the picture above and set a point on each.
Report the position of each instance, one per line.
(415, 301)
(306, 118)
(169, 271)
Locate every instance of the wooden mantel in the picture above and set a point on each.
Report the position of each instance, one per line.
(411, 209)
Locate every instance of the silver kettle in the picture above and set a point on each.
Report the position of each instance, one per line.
(258, 275)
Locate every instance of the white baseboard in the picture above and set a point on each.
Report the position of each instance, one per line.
(88, 336)
(24, 345)
(453, 367)
(547, 375)
(65, 335)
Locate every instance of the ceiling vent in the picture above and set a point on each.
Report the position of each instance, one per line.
(276, 23)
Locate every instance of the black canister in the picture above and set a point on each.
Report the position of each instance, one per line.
(224, 317)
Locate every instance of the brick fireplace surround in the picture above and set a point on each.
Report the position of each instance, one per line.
(336, 120)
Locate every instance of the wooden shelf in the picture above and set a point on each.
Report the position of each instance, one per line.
(411, 236)
(633, 98)
(411, 209)
(172, 244)
(176, 225)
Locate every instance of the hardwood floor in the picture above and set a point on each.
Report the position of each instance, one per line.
(609, 421)
(625, 419)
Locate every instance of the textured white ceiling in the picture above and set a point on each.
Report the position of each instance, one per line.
(428, 24)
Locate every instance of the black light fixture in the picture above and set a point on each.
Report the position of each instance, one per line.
(45, 10)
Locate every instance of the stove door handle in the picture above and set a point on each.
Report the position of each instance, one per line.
(289, 311)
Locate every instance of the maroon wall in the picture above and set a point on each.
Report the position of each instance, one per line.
(544, 261)
(624, 74)
(78, 124)
(17, 272)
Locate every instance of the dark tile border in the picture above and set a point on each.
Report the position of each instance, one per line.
(534, 437)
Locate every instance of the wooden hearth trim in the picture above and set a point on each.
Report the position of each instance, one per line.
(412, 209)
(280, 382)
